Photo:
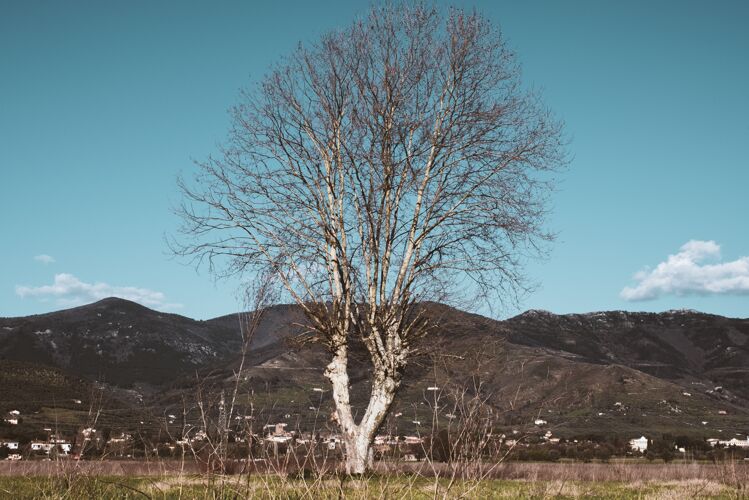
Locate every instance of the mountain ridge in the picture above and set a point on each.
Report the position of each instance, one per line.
(119, 300)
(674, 369)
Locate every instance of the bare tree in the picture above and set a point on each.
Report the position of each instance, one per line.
(395, 161)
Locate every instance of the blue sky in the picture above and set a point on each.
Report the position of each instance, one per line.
(102, 104)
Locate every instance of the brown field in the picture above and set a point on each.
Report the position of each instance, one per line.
(593, 472)
(177, 480)
(541, 471)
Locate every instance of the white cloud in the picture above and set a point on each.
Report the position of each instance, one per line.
(695, 270)
(67, 290)
(44, 258)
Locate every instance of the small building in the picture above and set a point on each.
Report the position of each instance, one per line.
(14, 456)
(41, 446)
(279, 433)
(88, 433)
(11, 445)
(46, 446)
(200, 435)
(733, 442)
(122, 438)
(639, 444)
(278, 439)
(332, 442)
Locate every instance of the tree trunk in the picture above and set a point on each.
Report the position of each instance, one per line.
(358, 438)
(359, 453)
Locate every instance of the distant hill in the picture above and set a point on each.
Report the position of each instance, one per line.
(118, 341)
(682, 345)
(621, 372)
(581, 373)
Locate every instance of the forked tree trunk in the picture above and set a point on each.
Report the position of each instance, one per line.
(358, 438)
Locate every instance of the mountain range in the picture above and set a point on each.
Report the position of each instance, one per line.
(622, 372)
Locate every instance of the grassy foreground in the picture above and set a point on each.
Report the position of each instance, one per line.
(200, 487)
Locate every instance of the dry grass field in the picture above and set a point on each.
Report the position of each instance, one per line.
(173, 480)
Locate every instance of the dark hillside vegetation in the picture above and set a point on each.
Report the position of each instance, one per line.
(678, 372)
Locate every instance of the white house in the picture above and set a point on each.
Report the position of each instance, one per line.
(639, 444)
(278, 439)
(122, 438)
(40, 446)
(332, 441)
(201, 435)
(738, 443)
(413, 440)
(540, 421)
(11, 445)
(88, 433)
(54, 440)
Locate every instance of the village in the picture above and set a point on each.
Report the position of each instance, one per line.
(276, 439)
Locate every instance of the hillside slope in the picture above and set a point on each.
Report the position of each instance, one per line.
(685, 346)
(620, 371)
(118, 342)
(522, 371)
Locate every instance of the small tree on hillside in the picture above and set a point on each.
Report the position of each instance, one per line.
(395, 161)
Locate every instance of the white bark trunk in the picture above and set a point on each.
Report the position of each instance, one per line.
(359, 453)
(358, 439)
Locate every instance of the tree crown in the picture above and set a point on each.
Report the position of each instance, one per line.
(394, 161)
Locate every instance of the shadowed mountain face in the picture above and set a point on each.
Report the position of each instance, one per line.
(673, 370)
(118, 342)
(122, 343)
(674, 345)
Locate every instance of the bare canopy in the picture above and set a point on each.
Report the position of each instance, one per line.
(394, 161)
